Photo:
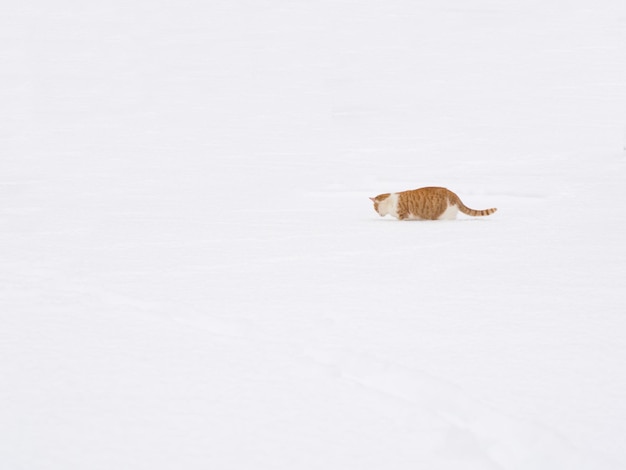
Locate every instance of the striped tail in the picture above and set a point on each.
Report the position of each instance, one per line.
(474, 213)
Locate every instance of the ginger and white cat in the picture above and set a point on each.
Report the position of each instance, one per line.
(424, 204)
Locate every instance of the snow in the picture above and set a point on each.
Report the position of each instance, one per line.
(192, 275)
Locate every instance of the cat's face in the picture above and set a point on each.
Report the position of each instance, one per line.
(378, 207)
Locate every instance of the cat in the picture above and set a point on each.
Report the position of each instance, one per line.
(424, 204)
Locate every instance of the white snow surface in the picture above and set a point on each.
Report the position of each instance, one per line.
(192, 275)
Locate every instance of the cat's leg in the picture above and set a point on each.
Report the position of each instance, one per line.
(402, 214)
(450, 213)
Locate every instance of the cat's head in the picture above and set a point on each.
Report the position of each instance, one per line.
(378, 207)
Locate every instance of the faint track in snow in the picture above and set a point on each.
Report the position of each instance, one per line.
(473, 430)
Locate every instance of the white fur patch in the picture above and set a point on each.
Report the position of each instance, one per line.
(450, 213)
(390, 205)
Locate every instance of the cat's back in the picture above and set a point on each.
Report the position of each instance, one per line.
(431, 194)
(428, 191)
(425, 203)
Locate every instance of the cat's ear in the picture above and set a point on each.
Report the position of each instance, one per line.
(373, 199)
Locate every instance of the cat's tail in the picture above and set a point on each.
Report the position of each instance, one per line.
(474, 213)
